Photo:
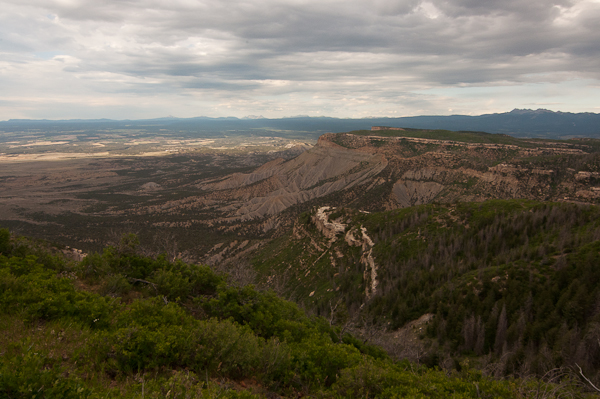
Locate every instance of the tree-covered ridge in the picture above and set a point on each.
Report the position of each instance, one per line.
(513, 283)
(587, 145)
(441, 134)
(121, 325)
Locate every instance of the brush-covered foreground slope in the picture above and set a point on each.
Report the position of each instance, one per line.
(513, 283)
(122, 325)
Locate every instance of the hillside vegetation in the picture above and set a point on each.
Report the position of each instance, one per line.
(513, 285)
(441, 134)
(121, 325)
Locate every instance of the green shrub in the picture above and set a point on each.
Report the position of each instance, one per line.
(153, 313)
(92, 267)
(179, 280)
(115, 285)
(371, 379)
(318, 361)
(264, 312)
(150, 337)
(35, 375)
(139, 348)
(27, 288)
(227, 347)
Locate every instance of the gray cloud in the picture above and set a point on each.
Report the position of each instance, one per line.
(277, 56)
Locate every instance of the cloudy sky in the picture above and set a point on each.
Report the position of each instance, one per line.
(276, 58)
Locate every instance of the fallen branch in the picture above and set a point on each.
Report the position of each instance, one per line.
(587, 379)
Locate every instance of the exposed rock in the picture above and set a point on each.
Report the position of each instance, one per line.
(237, 180)
(150, 186)
(370, 273)
(351, 240)
(376, 173)
(586, 175)
(366, 259)
(406, 342)
(409, 193)
(270, 224)
(329, 229)
(589, 194)
(73, 253)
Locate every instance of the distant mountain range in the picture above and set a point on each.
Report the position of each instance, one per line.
(539, 123)
(518, 122)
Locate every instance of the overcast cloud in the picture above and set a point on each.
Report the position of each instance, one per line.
(153, 58)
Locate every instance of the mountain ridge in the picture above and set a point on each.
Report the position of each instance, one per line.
(539, 123)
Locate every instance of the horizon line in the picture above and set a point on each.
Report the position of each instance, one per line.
(260, 117)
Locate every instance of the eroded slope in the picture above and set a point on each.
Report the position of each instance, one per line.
(384, 171)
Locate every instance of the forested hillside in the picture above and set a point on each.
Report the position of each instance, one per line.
(512, 285)
(121, 325)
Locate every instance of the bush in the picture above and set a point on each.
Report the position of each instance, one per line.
(92, 267)
(25, 286)
(372, 379)
(150, 335)
(264, 312)
(34, 375)
(115, 285)
(181, 281)
(319, 361)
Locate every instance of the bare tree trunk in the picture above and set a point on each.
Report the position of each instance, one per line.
(501, 332)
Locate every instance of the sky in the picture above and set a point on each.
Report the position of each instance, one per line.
(136, 59)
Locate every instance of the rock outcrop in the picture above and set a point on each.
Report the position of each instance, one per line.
(354, 238)
(150, 186)
(410, 193)
(330, 229)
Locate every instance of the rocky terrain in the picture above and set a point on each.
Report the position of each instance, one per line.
(270, 189)
(211, 203)
(407, 171)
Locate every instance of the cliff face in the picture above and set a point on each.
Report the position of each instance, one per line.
(378, 172)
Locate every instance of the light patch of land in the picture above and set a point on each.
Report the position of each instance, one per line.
(52, 156)
(38, 143)
(28, 150)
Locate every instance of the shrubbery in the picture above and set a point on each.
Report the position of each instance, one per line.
(180, 331)
(34, 375)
